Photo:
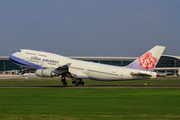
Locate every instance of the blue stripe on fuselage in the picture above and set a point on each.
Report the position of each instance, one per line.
(24, 63)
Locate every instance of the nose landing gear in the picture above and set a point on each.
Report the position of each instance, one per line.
(63, 79)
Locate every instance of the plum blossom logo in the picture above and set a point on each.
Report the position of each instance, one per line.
(147, 61)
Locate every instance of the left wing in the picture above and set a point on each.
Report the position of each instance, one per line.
(65, 70)
(62, 69)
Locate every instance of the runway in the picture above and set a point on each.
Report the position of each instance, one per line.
(99, 87)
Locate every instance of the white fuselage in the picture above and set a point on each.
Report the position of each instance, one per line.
(83, 69)
(98, 71)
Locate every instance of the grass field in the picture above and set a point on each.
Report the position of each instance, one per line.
(57, 82)
(89, 104)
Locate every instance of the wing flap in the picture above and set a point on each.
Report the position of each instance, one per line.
(65, 69)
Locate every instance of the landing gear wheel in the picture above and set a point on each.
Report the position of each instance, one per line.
(64, 83)
(82, 83)
(77, 84)
(73, 82)
(63, 79)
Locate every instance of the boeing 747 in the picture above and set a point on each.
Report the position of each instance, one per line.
(50, 65)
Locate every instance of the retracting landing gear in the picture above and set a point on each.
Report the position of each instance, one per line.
(78, 82)
(73, 82)
(63, 79)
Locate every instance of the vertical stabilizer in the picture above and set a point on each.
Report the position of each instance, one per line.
(149, 60)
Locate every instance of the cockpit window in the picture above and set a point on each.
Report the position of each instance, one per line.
(19, 50)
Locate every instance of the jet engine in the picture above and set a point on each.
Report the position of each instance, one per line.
(45, 73)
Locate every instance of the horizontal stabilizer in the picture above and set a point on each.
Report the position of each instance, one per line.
(164, 73)
(140, 74)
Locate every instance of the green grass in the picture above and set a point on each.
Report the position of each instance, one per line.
(88, 104)
(57, 82)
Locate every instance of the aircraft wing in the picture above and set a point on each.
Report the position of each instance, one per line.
(62, 69)
(65, 69)
(140, 74)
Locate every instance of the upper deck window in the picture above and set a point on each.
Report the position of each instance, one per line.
(30, 53)
(42, 55)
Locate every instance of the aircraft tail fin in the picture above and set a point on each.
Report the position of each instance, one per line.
(18, 73)
(149, 60)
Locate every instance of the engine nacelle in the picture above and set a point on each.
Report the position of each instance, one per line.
(45, 73)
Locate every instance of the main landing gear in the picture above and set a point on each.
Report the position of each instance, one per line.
(63, 79)
(77, 81)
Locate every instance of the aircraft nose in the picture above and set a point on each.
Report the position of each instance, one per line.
(11, 57)
(14, 58)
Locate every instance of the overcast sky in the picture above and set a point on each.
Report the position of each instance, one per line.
(119, 28)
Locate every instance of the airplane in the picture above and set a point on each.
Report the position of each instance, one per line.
(50, 65)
